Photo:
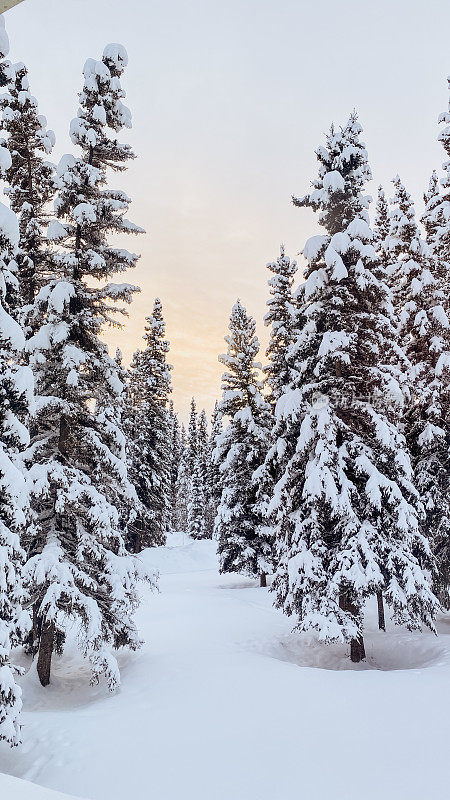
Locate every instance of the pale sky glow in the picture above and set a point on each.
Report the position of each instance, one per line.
(229, 101)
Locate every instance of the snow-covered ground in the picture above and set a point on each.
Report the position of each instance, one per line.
(225, 703)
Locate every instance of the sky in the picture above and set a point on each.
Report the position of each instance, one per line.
(229, 102)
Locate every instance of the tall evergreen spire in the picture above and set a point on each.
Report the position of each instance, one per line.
(78, 567)
(149, 430)
(381, 228)
(244, 537)
(281, 318)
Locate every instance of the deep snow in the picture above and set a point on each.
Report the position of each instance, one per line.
(225, 703)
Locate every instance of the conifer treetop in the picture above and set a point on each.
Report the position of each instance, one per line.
(343, 171)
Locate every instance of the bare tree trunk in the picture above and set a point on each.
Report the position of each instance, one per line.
(263, 579)
(381, 619)
(357, 649)
(45, 652)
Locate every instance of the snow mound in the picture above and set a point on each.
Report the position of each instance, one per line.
(181, 554)
(15, 789)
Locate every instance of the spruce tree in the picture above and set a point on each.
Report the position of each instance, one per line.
(149, 430)
(243, 535)
(381, 228)
(422, 301)
(196, 489)
(182, 485)
(436, 218)
(16, 391)
(281, 317)
(29, 181)
(346, 508)
(78, 569)
(196, 502)
(213, 475)
(176, 449)
(192, 434)
(432, 216)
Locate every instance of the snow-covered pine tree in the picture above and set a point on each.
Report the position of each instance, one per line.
(203, 461)
(436, 218)
(202, 438)
(423, 301)
(281, 317)
(78, 569)
(196, 494)
(16, 392)
(213, 475)
(192, 434)
(381, 228)
(176, 449)
(196, 502)
(346, 508)
(182, 485)
(29, 181)
(432, 216)
(243, 535)
(149, 430)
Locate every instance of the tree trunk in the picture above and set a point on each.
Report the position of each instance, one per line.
(381, 619)
(263, 579)
(32, 640)
(45, 652)
(357, 649)
(64, 433)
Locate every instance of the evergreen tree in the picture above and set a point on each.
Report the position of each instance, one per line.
(425, 331)
(78, 568)
(436, 218)
(346, 508)
(423, 302)
(16, 385)
(176, 449)
(149, 430)
(213, 475)
(244, 538)
(409, 255)
(192, 435)
(196, 489)
(381, 228)
(29, 181)
(432, 217)
(182, 485)
(281, 318)
(196, 502)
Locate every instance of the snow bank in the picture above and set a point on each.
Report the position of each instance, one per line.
(15, 789)
(222, 680)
